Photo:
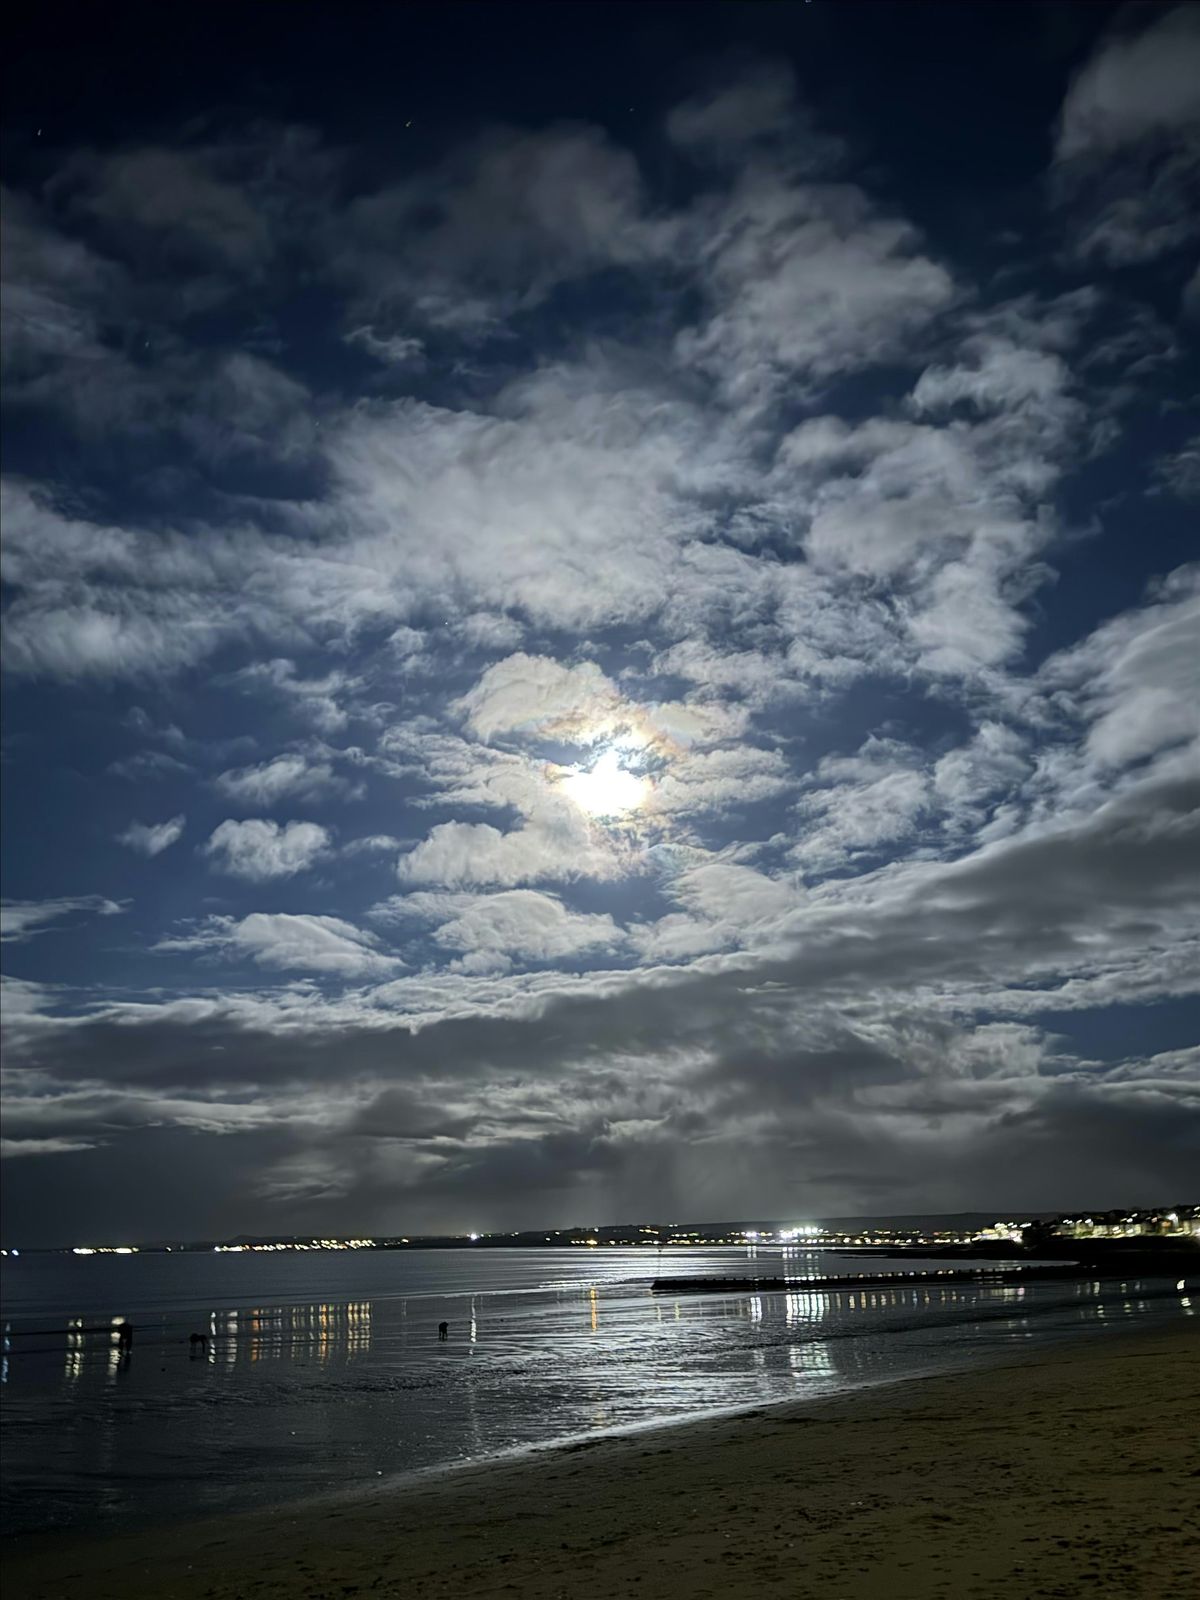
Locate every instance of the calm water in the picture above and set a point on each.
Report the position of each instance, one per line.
(325, 1370)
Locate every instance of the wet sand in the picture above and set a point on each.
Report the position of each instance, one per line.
(1069, 1473)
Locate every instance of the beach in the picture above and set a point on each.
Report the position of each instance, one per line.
(1074, 1471)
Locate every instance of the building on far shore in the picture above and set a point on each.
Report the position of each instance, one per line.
(1180, 1220)
(1176, 1222)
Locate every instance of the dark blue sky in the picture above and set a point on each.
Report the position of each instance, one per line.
(600, 613)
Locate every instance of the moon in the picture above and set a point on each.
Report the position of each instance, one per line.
(606, 789)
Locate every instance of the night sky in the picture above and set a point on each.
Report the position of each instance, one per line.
(601, 614)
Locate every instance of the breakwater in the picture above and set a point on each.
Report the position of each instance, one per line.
(1159, 1266)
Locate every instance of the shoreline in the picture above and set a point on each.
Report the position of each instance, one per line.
(404, 1480)
(1076, 1463)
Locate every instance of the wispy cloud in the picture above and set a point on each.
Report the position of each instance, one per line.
(25, 919)
(151, 839)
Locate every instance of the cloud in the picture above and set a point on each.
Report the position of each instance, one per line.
(320, 701)
(534, 694)
(566, 505)
(726, 890)
(495, 228)
(95, 339)
(391, 349)
(994, 763)
(1134, 87)
(149, 765)
(305, 943)
(802, 281)
(54, 291)
(744, 1049)
(268, 782)
(1128, 147)
(1179, 471)
(725, 906)
(491, 932)
(1135, 681)
(151, 839)
(890, 495)
(25, 919)
(42, 1147)
(372, 844)
(100, 601)
(542, 699)
(556, 843)
(176, 198)
(1000, 375)
(552, 838)
(258, 850)
(760, 105)
(860, 803)
(487, 630)
(720, 780)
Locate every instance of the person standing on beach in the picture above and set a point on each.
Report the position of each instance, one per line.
(125, 1338)
(443, 1330)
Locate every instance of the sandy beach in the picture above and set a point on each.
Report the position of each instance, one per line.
(1070, 1473)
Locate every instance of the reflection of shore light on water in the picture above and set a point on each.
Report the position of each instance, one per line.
(606, 789)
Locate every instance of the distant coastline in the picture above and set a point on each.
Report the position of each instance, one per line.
(961, 1235)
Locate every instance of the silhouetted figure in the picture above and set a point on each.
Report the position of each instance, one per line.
(198, 1344)
(443, 1330)
(125, 1338)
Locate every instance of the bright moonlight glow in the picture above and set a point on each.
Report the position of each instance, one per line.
(606, 789)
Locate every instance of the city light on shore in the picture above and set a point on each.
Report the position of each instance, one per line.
(1180, 1224)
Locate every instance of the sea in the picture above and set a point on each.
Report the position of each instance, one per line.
(324, 1370)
